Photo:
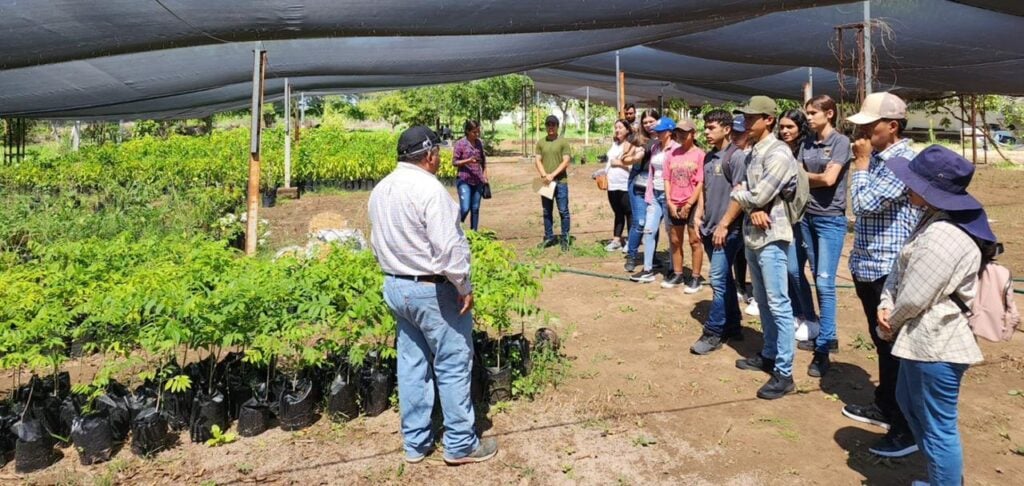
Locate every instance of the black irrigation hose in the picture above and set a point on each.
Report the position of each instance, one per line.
(626, 279)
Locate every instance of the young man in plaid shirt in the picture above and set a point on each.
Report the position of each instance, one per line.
(885, 219)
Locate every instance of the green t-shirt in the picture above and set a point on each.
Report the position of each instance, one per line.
(551, 153)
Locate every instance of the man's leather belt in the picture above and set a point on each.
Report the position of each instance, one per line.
(437, 279)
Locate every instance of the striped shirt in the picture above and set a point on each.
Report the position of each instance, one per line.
(885, 217)
(415, 228)
(938, 261)
(771, 171)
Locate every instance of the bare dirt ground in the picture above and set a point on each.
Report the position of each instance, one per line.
(638, 408)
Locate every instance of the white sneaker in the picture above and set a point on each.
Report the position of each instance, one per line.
(752, 309)
(807, 330)
(613, 246)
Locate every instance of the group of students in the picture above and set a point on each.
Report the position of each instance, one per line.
(779, 202)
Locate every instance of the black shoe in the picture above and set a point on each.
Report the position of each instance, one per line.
(777, 387)
(547, 243)
(565, 245)
(868, 414)
(630, 265)
(819, 365)
(672, 280)
(833, 345)
(706, 344)
(894, 444)
(756, 363)
(644, 276)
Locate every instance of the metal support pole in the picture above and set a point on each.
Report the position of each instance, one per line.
(76, 135)
(963, 117)
(809, 87)
(287, 134)
(586, 119)
(618, 88)
(253, 190)
(868, 76)
(974, 130)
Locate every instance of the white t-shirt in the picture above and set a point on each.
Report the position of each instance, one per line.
(618, 177)
(657, 166)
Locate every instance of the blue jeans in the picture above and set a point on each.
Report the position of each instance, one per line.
(562, 198)
(823, 245)
(799, 289)
(724, 317)
(927, 393)
(636, 227)
(433, 340)
(654, 215)
(469, 202)
(768, 273)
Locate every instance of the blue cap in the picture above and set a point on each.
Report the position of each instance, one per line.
(737, 124)
(665, 124)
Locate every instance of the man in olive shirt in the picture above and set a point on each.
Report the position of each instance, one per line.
(553, 155)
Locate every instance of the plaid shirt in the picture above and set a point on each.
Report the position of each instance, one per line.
(771, 171)
(938, 261)
(885, 218)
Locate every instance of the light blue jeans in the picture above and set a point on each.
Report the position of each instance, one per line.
(652, 223)
(433, 340)
(928, 393)
(822, 246)
(768, 274)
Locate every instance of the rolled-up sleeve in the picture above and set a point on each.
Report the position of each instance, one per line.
(448, 242)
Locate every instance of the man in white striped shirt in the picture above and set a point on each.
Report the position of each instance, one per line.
(417, 239)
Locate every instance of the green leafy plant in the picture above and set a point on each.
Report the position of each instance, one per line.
(219, 437)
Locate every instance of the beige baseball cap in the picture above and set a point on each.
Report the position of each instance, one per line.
(877, 106)
(685, 126)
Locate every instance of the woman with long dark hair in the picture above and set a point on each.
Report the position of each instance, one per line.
(618, 183)
(825, 155)
(793, 130)
(643, 141)
(468, 155)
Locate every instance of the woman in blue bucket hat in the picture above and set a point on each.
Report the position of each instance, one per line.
(932, 336)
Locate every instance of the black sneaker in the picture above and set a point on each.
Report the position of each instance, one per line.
(777, 387)
(819, 365)
(630, 265)
(693, 285)
(644, 276)
(894, 444)
(706, 344)
(868, 414)
(833, 345)
(756, 363)
(565, 245)
(672, 281)
(547, 243)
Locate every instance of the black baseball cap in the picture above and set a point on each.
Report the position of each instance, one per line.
(415, 139)
(551, 120)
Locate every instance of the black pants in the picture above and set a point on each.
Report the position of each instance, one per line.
(739, 268)
(619, 201)
(870, 294)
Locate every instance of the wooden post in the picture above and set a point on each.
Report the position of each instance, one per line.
(253, 190)
(622, 94)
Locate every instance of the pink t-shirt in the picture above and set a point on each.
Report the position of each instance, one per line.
(684, 169)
